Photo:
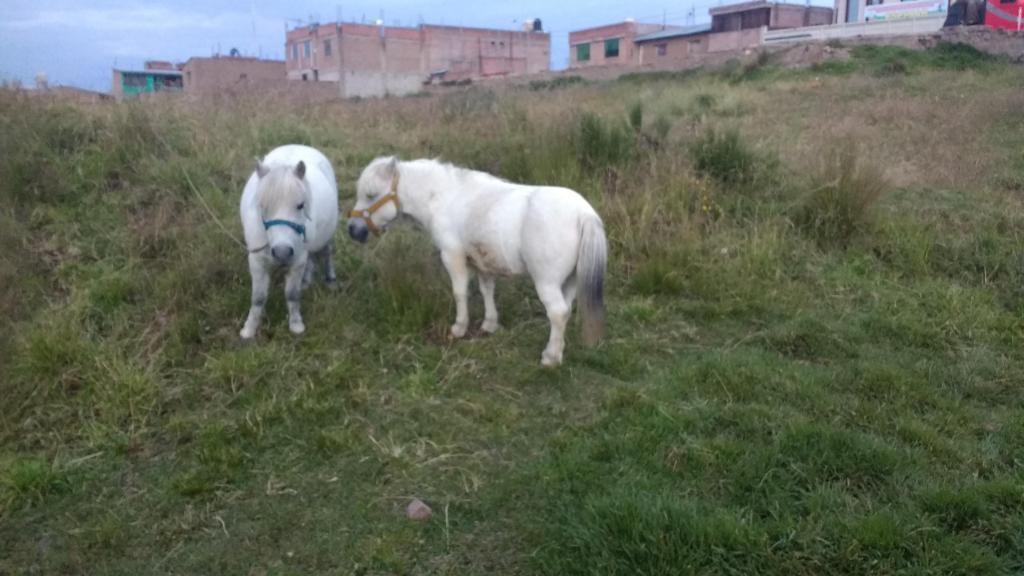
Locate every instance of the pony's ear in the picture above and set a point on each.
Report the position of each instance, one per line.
(300, 170)
(261, 169)
(387, 170)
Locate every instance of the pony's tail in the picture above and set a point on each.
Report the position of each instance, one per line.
(591, 264)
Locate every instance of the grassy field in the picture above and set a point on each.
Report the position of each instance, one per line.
(814, 360)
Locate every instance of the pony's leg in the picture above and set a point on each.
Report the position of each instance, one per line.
(292, 293)
(490, 324)
(569, 291)
(307, 272)
(455, 262)
(260, 284)
(558, 313)
(329, 276)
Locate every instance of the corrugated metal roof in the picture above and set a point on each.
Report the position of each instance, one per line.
(673, 33)
(151, 72)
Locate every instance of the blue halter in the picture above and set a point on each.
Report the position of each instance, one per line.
(299, 228)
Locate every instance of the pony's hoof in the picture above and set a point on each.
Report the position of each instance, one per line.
(297, 328)
(458, 331)
(332, 285)
(247, 335)
(490, 326)
(550, 361)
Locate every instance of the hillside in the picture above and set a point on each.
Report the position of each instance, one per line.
(813, 365)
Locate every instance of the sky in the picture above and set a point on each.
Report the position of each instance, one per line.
(78, 42)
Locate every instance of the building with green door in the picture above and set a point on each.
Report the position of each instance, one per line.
(132, 83)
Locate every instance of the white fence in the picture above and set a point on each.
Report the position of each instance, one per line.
(908, 27)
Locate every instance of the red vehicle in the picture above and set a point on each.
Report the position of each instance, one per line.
(1007, 14)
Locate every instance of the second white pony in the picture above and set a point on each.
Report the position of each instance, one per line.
(492, 227)
(289, 211)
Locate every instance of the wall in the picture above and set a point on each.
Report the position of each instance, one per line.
(732, 41)
(891, 28)
(479, 52)
(210, 75)
(115, 85)
(369, 60)
(317, 65)
(789, 16)
(678, 51)
(624, 31)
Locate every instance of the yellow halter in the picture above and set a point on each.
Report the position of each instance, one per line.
(367, 213)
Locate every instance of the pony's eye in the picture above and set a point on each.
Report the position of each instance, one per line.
(301, 206)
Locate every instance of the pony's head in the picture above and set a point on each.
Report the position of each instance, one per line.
(283, 197)
(376, 199)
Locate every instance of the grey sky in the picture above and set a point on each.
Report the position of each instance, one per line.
(77, 42)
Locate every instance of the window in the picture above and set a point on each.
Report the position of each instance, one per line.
(295, 52)
(611, 48)
(662, 49)
(306, 49)
(327, 47)
(582, 52)
(134, 80)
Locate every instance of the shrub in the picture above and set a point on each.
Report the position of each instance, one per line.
(555, 83)
(724, 157)
(660, 76)
(704, 102)
(840, 204)
(602, 143)
(959, 56)
(636, 117)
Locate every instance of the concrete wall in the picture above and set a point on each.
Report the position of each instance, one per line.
(211, 75)
(840, 31)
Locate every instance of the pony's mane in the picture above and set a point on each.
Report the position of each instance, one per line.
(457, 172)
(280, 186)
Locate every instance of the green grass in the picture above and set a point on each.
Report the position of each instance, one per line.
(806, 371)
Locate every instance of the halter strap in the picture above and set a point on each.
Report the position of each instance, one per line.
(367, 213)
(299, 228)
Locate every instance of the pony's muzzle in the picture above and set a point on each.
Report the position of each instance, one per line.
(358, 231)
(282, 253)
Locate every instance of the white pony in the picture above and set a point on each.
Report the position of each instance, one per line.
(289, 211)
(484, 224)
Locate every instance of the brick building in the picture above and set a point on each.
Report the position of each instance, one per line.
(611, 45)
(766, 14)
(231, 74)
(372, 60)
(733, 28)
(133, 83)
